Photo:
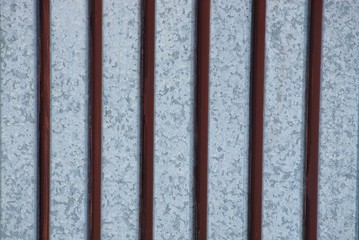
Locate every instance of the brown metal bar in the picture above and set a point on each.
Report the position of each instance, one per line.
(44, 119)
(312, 124)
(148, 75)
(201, 124)
(95, 126)
(257, 102)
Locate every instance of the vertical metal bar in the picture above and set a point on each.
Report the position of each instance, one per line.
(312, 125)
(201, 124)
(147, 112)
(44, 119)
(257, 102)
(95, 126)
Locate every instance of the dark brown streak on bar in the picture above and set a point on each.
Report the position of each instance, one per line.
(256, 128)
(312, 117)
(201, 124)
(44, 119)
(95, 126)
(147, 117)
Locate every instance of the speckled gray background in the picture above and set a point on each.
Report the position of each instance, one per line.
(339, 122)
(284, 119)
(18, 94)
(121, 119)
(69, 114)
(228, 119)
(174, 82)
(174, 103)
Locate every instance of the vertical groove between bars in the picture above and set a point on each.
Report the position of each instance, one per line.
(44, 119)
(147, 116)
(95, 134)
(201, 124)
(257, 102)
(312, 125)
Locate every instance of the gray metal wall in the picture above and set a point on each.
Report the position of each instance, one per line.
(230, 50)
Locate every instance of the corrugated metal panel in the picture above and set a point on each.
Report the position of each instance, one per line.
(121, 119)
(284, 124)
(69, 124)
(158, 77)
(339, 122)
(174, 83)
(229, 119)
(18, 122)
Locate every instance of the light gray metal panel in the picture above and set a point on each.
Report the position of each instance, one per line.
(18, 122)
(69, 114)
(284, 119)
(121, 119)
(229, 119)
(174, 86)
(339, 122)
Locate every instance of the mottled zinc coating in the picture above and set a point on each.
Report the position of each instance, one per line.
(284, 119)
(174, 86)
(69, 114)
(228, 119)
(339, 122)
(18, 122)
(121, 119)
